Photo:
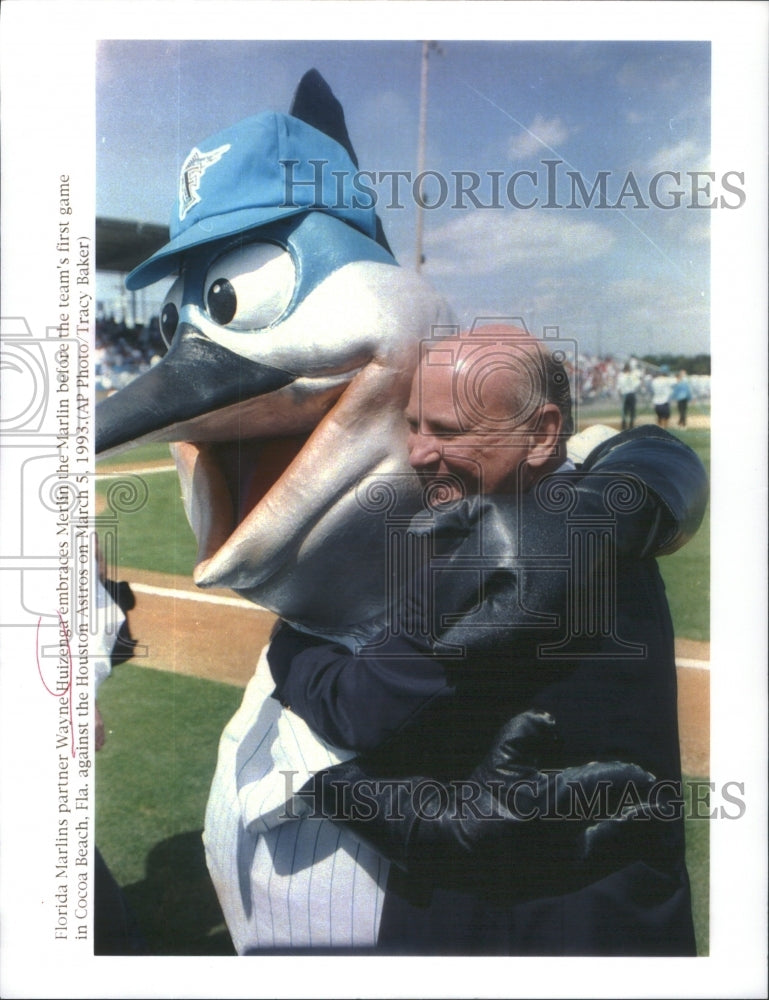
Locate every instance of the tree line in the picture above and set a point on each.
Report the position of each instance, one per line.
(699, 364)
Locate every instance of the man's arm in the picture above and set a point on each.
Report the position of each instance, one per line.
(354, 701)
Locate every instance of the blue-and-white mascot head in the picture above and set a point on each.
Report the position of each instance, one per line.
(293, 336)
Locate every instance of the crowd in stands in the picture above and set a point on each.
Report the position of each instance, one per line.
(122, 352)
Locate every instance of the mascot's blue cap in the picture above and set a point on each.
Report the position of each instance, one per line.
(264, 168)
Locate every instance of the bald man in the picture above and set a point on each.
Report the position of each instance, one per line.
(539, 601)
(488, 416)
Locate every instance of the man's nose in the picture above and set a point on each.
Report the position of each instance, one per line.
(424, 450)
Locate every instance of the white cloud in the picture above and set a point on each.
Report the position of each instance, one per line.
(627, 314)
(681, 156)
(688, 229)
(700, 232)
(386, 105)
(488, 241)
(542, 134)
(666, 72)
(675, 313)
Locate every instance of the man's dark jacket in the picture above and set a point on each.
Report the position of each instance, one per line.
(549, 601)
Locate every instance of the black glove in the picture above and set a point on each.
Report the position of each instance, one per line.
(511, 826)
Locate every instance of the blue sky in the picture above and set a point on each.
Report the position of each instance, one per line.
(623, 280)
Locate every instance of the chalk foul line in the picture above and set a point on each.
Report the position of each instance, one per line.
(190, 595)
(239, 602)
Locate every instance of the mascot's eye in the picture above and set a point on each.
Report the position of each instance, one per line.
(169, 313)
(169, 320)
(222, 302)
(251, 287)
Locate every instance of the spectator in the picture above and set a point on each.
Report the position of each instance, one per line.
(681, 393)
(661, 391)
(628, 384)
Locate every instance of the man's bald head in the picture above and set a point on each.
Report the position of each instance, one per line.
(508, 373)
(490, 411)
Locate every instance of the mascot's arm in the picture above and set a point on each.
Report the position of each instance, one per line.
(511, 828)
(673, 477)
(358, 701)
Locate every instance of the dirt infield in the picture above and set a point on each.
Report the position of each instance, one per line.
(694, 421)
(694, 716)
(211, 634)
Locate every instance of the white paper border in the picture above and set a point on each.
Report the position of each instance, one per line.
(47, 117)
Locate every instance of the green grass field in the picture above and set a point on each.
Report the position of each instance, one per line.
(687, 572)
(155, 536)
(153, 776)
(154, 772)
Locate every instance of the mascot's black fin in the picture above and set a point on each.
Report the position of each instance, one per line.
(314, 103)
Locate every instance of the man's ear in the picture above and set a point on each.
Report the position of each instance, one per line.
(546, 436)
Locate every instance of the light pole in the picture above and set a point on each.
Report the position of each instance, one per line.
(421, 142)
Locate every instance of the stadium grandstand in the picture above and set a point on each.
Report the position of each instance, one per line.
(128, 337)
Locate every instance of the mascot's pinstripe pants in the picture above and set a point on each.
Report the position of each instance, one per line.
(283, 881)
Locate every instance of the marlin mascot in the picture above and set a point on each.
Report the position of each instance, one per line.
(293, 337)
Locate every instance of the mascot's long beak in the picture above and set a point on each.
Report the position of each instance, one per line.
(195, 378)
(272, 456)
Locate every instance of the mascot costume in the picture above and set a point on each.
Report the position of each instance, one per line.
(293, 339)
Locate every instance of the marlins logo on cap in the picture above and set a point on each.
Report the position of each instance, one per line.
(193, 169)
(264, 169)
